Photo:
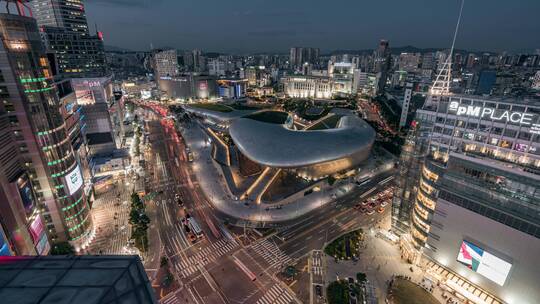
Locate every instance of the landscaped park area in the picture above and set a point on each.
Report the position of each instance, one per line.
(346, 246)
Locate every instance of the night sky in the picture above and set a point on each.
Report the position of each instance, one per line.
(275, 25)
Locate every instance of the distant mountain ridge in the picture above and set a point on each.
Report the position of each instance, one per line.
(399, 50)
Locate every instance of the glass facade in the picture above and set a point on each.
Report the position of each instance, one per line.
(56, 168)
(483, 156)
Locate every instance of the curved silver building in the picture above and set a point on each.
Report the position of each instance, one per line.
(312, 153)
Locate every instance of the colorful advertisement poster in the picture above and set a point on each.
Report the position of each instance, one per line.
(43, 246)
(483, 262)
(37, 229)
(27, 195)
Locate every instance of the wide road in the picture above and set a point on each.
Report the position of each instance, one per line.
(208, 271)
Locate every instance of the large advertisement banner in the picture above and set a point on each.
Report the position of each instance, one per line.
(43, 247)
(27, 195)
(483, 262)
(74, 180)
(37, 229)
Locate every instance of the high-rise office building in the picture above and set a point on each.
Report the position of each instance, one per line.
(300, 55)
(31, 103)
(66, 35)
(66, 14)
(18, 210)
(409, 62)
(474, 208)
(199, 61)
(165, 63)
(383, 63)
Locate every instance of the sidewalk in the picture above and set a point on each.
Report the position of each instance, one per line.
(379, 260)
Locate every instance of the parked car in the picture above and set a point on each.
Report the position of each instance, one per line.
(370, 212)
(380, 209)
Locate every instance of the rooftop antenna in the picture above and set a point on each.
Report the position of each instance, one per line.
(441, 86)
(22, 8)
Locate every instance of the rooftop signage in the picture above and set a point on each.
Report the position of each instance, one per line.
(489, 113)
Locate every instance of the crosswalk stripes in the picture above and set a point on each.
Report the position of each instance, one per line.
(205, 256)
(110, 217)
(276, 295)
(170, 300)
(271, 253)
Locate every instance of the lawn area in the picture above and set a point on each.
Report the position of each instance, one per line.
(406, 292)
(346, 246)
(274, 117)
(328, 123)
(212, 107)
(242, 107)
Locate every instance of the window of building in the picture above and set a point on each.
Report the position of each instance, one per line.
(4, 92)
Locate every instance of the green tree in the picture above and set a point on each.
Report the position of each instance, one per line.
(331, 180)
(62, 248)
(163, 262)
(337, 293)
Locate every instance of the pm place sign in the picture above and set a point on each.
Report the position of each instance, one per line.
(489, 113)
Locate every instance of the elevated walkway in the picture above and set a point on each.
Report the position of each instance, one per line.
(261, 184)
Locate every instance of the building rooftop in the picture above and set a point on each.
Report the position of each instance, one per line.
(275, 145)
(74, 279)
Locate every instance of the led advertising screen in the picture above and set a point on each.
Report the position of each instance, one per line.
(74, 180)
(27, 195)
(483, 262)
(4, 246)
(37, 229)
(43, 246)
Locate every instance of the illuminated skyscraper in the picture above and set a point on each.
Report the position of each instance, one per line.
(31, 103)
(65, 33)
(383, 62)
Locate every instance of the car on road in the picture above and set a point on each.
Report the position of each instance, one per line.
(318, 290)
(380, 210)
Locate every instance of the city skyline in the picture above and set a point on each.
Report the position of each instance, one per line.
(263, 26)
(265, 152)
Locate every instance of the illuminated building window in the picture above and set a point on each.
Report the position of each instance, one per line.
(429, 174)
(430, 204)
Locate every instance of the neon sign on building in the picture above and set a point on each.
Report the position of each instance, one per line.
(489, 113)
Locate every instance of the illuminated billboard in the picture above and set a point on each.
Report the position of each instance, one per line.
(27, 195)
(483, 262)
(36, 229)
(4, 246)
(74, 180)
(43, 247)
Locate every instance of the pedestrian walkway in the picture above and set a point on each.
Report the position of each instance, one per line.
(276, 295)
(205, 256)
(110, 212)
(271, 253)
